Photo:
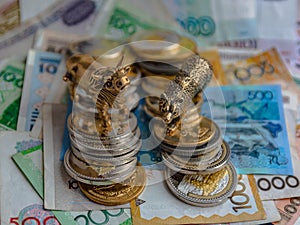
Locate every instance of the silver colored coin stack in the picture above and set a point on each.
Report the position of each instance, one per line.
(199, 171)
(97, 159)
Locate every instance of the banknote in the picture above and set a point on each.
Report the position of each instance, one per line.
(129, 17)
(214, 21)
(289, 210)
(264, 68)
(286, 48)
(61, 191)
(9, 14)
(157, 205)
(278, 187)
(230, 55)
(253, 124)
(57, 94)
(62, 16)
(41, 70)
(11, 80)
(30, 162)
(55, 41)
(272, 215)
(32, 8)
(270, 11)
(16, 194)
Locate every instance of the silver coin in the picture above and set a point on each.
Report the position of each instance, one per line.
(109, 155)
(185, 166)
(79, 130)
(203, 190)
(100, 180)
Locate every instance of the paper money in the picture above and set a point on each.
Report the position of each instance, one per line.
(71, 16)
(287, 48)
(128, 17)
(275, 12)
(10, 15)
(156, 205)
(253, 124)
(230, 54)
(272, 215)
(289, 210)
(32, 8)
(57, 94)
(215, 21)
(54, 41)
(11, 80)
(16, 194)
(30, 163)
(61, 191)
(41, 70)
(277, 187)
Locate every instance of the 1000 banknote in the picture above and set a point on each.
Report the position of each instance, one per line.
(253, 124)
(156, 205)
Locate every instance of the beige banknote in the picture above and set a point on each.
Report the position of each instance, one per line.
(157, 205)
(266, 67)
(230, 55)
(61, 16)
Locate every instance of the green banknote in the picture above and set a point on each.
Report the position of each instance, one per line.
(11, 83)
(129, 17)
(30, 163)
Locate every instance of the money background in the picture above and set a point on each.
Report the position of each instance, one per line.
(34, 37)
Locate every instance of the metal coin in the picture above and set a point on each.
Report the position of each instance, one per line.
(185, 166)
(93, 46)
(93, 179)
(206, 134)
(117, 194)
(203, 190)
(80, 128)
(155, 44)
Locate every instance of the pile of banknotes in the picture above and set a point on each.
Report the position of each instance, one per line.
(253, 98)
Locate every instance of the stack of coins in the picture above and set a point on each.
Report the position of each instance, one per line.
(195, 156)
(160, 54)
(199, 170)
(104, 164)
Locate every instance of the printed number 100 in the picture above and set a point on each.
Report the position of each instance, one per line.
(240, 198)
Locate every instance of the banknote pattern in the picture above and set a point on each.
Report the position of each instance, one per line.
(11, 78)
(41, 70)
(155, 208)
(253, 113)
(30, 163)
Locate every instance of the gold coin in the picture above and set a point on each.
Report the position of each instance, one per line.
(119, 193)
(190, 135)
(203, 190)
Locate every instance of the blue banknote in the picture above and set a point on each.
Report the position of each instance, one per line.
(41, 70)
(253, 124)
